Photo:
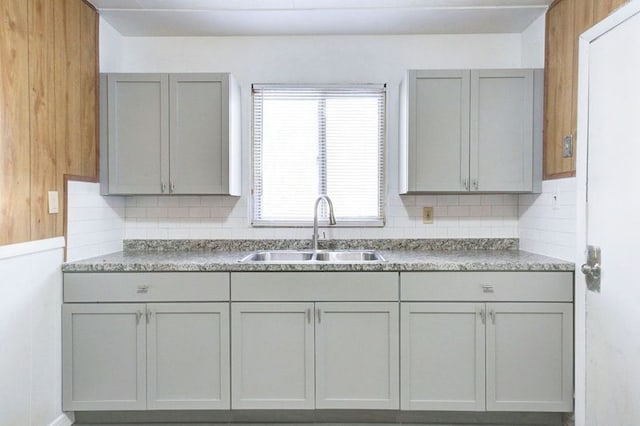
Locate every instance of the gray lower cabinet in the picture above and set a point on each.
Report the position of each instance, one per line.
(443, 365)
(170, 134)
(357, 362)
(153, 340)
(488, 354)
(133, 356)
(103, 357)
(297, 344)
(273, 353)
(471, 131)
(291, 355)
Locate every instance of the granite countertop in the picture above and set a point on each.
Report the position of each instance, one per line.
(406, 256)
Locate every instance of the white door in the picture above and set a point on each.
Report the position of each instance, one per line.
(357, 346)
(609, 181)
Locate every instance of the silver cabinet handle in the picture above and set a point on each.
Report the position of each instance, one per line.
(138, 317)
(475, 184)
(163, 187)
(309, 316)
(143, 289)
(483, 316)
(492, 315)
(487, 289)
(465, 182)
(172, 187)
(319, 316)
(149, 313)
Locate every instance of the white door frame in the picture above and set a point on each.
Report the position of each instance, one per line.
(630, 9)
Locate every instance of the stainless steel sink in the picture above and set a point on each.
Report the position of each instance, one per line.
(279, 256)
(348, 256)
(323, 256)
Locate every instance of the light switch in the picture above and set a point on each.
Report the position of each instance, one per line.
(53, 202)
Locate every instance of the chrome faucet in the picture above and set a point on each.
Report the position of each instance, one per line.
(332, 219)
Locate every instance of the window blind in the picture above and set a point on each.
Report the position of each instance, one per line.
(310, 141)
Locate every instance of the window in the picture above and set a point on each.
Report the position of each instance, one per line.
(310, 141)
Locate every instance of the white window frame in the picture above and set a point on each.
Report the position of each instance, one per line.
(341, 222)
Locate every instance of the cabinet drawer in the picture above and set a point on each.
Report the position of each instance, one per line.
(314, 286)
(487, 286)
(146, 287)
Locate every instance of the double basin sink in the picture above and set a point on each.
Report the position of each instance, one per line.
(309, 256)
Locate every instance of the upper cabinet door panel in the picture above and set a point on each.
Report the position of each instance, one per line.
(199, 118)
(501, 130)
(438, 130)
(138, 133)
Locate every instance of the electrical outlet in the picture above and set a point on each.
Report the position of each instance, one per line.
(427, 215)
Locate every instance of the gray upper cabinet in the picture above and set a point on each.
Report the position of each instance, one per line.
(471, 131)
(138, 133)
(171, 134)
(438, 122)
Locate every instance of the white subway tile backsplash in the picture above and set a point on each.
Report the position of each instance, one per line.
(472, 216)
(95, 224)
(546, 227)
(147, 201)
(448, 200)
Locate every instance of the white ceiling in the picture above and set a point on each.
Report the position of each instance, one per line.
(311, 17)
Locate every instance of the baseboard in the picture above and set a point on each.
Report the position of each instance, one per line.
(65, 419)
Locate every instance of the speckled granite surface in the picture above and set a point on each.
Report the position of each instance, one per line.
(398, 258)
(369, 244)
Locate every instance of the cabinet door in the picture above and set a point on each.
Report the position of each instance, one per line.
(188, 356)
(357, 365)
(273, 355)
(199, 126)
(501, 130)
(138, 110)
(103, 353)
(443, 359)
(530, 357)
(438, 119)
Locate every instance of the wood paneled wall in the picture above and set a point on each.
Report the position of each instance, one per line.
(48, 110)
(566, 20)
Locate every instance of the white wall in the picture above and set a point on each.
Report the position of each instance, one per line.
(95, 223)
(547, 222)
(533, 44)
(30, 342)
(110, 58)
(317, 59)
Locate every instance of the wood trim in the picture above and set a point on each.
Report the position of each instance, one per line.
(97, 94)
(90, 5)
(65, 204)
(560, 175)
